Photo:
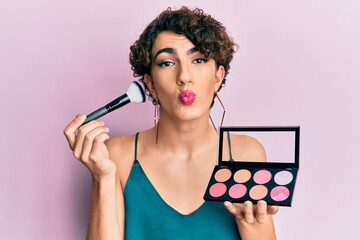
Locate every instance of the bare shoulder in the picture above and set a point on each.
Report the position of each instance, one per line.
(121, 150)
(119, 145)
(247, 148)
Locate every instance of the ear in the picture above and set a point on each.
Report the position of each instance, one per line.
(150, 85)
(219, 76)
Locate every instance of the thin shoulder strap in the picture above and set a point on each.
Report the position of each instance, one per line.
(136, 141)
(231, 158)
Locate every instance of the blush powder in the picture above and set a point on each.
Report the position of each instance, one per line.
(237, 191)
(222, 175)
(258, 192)
(283, 177)
(280, 193)
(242, 176)
(262, 176)
(217, 190)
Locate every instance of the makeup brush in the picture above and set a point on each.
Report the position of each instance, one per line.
(135, 93)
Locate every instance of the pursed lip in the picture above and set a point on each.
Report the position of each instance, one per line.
(187, 97)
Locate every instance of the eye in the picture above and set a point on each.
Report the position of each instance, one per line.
(165, 64)
(200, 60)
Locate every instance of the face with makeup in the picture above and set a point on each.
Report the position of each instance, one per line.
(181, 77)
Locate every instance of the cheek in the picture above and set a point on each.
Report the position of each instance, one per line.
(208, 79)
(165, 90)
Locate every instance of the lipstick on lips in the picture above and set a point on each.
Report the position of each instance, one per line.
(187, 97)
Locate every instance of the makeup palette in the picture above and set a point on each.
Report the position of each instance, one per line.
(256, 163)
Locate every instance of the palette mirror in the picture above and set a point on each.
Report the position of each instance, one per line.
(279, 146)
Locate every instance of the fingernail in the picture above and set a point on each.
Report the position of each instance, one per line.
(261, 204)
(82, 116)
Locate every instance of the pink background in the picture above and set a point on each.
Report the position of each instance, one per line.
(298, 64)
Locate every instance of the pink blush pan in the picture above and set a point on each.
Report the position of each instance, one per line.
(237, 191)
(218, 189)
(262, 176)
(280, 193)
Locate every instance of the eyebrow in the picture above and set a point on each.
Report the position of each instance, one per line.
(173, 51)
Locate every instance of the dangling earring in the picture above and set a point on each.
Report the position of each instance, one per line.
(156, 120)
(223, 114)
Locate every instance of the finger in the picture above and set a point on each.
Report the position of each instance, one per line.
(89, 141)
(71, 128)
(80, 136)
(248, 212)
(261, 212)
(272, 209)
(98, 146)
(231, 208)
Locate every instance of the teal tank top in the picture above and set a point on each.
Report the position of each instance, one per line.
(149, 217)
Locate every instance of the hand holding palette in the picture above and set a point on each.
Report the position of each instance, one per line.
(242, 174)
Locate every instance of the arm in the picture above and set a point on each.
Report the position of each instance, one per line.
(88, 145)
(104, 218)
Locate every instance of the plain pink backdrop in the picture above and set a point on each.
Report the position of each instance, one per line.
(298, 64)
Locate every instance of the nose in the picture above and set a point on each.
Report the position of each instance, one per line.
(184, 75)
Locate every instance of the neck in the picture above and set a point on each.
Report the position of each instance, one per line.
(187, 135)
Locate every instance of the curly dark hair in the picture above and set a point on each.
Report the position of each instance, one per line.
(206, 33)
